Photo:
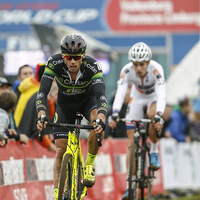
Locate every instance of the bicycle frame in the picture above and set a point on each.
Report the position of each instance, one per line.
(72, 161)
(138, 156)
(74, 148)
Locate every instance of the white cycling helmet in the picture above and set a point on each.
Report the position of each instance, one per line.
(139, 52)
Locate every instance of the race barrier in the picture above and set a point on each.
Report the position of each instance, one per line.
(26, 171)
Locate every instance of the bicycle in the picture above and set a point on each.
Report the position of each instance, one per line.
(72, 169)
(139, 156)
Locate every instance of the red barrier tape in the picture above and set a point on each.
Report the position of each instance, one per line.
(26, 172)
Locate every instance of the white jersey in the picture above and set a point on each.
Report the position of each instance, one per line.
(153, 86)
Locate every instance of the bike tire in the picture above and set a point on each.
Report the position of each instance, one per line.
(133, 191)
(79, 183)
(65, 180)
(150, 183)
(143, 183)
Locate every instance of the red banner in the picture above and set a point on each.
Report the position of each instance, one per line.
(26, 172)
(157, 15)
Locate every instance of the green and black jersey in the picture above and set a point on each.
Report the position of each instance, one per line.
(89, 82)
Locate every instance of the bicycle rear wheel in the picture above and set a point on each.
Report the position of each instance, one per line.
(65, 180)
(144, 178)
(133, 188)
(150, 185)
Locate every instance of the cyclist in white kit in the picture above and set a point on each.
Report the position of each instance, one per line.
(148, 89)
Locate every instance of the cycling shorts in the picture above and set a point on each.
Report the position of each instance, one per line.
(66, 113)
(135, 107)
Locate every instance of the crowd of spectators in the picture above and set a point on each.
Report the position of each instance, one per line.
(18, 109)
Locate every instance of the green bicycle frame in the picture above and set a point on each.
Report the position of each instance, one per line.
(74, 148)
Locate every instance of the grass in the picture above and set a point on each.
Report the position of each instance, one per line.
(195, 197)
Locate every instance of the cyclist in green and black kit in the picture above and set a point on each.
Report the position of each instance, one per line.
(81, 88)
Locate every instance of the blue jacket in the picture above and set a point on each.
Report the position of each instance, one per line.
(177, 126)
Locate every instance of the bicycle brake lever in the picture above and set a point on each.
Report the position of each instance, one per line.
(98, 135)
(40, 135)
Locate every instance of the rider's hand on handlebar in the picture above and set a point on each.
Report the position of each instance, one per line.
(113, 119)
(99, 125)
(41, 122)
(158, 122)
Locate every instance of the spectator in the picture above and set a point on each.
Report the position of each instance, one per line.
(24, 72)
(194, 125)
(6, 86)
(179, 120)
(25, 113)
(8, 101)
(120, 130)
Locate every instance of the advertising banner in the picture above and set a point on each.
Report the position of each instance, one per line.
(157, 15)
(26, 172)
(107, 15)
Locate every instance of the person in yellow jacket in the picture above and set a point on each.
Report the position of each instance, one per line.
(25, 113)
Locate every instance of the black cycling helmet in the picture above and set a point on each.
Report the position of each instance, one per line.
(73, 44)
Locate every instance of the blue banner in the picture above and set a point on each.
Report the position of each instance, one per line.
(87, 15)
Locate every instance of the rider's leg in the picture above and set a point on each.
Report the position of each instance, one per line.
(61, 145)
(93, 149)
(130, 134)
(154, 156)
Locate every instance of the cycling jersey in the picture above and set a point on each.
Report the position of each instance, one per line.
(89, 82)
(152, 88)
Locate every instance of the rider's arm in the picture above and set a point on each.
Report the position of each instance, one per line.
(99, 91)
(120, 95)
(122, 86)
(160, 89)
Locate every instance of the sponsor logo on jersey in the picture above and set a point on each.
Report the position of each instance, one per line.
(39, 95)
(98, 65)
(51, 66)
(46, 76)
(103, 98)
(38, 102)
(97, 80)
(160, 79)
(56, 62)
(73, 91)
(104, 105)
(78, 83)
(93, 68)
(55, 119)
(155, 71)
(126, 71)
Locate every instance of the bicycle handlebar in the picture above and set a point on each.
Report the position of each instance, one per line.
(68, 126)
(135, 120)
(72, 126)
(140, 121)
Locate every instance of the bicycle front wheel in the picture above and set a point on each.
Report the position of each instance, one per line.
(133, 188)
(79, 185)
(65, 180)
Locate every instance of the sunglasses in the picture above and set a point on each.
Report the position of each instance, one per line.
(70, 57)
